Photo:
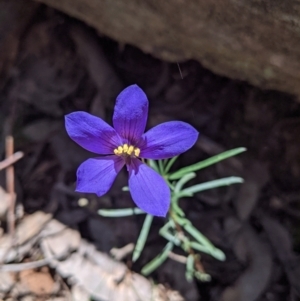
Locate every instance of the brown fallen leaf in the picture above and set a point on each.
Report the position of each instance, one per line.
(37, 282)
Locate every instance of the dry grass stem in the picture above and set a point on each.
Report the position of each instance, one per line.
(10, 185)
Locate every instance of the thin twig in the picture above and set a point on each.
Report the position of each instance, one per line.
(178, 258)
(10, 185)
(17, 267)
(120, 253)
(11, 160)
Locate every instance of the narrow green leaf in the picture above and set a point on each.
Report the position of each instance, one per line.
(142, 238)
(176, 209)
(189, 272)
(170, 164)
(190, 263)
(205, 245)
(170, 237)
(165, 233)
(153, 165)
(183, 181)
(161, 167)
(198, 236)
(210, 161)
(171, 186)
(202, 276)
(158, 260)
(181, 220)
(120, 212)
(214, 252)
(196, 246)
(210, 185)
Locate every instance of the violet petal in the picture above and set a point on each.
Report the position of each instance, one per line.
(131, 113)
(92, 133)
(167, 140)
(148, 189)
(96, 175)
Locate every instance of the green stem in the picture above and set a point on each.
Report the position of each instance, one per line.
(142, 238)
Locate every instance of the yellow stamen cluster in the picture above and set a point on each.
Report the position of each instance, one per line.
(127, 150)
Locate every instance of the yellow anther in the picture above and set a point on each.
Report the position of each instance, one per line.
(130, 150)
(127, 150)
(125, 147)
(137, 152)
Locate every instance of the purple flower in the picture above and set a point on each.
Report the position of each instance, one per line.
(126, 144)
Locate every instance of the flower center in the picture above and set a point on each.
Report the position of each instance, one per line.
(127, 150)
